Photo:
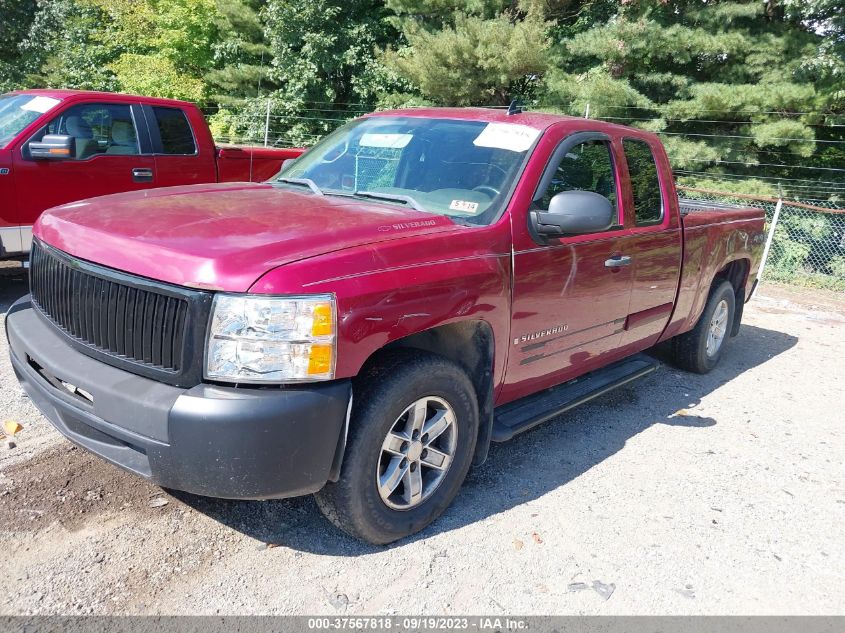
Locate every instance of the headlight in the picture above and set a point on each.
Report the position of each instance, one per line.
(254, 339)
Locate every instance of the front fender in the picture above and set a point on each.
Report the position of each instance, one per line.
(391, 290)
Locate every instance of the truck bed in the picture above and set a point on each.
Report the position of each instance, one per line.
(714, 233)
(239, 163)
(701, 212)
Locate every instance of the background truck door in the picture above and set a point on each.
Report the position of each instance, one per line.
(654, 246)
(570, 294)
(179, 158)
(111, 154)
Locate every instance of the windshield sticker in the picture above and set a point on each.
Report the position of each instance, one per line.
(392, 141)
(509, 136)
(40, 104)
(463, 205)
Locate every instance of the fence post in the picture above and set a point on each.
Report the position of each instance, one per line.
(769, 238)
(267, 124)
(587, 111)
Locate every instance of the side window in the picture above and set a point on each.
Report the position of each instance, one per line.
(587, 167)
(98, 129)
(645, 183)
(175, 131)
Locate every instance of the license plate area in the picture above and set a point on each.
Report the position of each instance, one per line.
(79, 394)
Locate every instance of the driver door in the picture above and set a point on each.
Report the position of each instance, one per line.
(570, 294)
(112, 155)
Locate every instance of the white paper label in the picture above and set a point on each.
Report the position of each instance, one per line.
(392, 141)
(463, 205)
(40, 104)
(509, 136)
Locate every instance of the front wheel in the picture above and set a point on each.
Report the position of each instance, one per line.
(700, 349)
(411, 440)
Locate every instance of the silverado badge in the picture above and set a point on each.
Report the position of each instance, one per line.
(525, 338)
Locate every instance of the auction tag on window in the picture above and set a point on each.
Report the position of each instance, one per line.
(392, 141)
(463, 205)
(40, 104)
(509, 136)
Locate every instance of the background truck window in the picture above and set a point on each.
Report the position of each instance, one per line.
(645, 184)
(175, 131)
(18, 111)
(98, 128)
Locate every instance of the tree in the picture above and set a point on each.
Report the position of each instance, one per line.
(242, 56)
(323, 58)
(736, 88)
(462, 52)
(729, 84)
(155, 47)
(63, 49)
(165, 46)
(15, 24)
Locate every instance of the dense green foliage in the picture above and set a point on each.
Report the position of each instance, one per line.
(242, 54)
(746, 93)
(17, 16)
(322, 58)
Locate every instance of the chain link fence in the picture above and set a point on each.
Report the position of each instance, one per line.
(807, 246)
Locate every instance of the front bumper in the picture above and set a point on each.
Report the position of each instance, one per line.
(229, 442)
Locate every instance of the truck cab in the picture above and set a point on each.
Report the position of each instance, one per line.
(59, 146)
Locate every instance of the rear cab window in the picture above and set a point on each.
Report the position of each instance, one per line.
(177, 137)
(645, 182)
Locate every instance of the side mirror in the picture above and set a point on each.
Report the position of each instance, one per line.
(573, 213)
(52, 147)
(287, 163)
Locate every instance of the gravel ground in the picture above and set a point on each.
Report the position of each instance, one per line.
(683, 494)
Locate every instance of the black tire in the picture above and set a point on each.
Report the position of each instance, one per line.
(689, 350)
(381, 395)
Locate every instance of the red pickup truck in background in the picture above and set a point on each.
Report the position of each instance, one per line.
(58, 146)
(416, 285)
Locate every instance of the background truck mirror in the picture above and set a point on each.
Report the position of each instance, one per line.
(52, 147)
(574, 213)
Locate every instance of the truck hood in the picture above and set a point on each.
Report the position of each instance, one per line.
(222, 237)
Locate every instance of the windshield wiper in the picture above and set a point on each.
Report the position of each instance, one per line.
(303, 182)
(392, 197)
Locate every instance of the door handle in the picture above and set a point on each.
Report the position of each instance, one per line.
(617, 261)
(142, 174)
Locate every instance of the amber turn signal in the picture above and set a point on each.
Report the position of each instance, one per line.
(322, 324)
(320, 359)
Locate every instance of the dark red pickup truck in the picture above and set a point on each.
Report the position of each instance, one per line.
(58, 146)
(415, 286)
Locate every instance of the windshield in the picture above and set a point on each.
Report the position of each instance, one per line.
(463, 169)
(18, 111)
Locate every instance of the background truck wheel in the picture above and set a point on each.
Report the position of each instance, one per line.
(411, 440)
(700, 349)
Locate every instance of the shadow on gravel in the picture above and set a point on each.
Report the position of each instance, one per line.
(12, 288)
(527, 467)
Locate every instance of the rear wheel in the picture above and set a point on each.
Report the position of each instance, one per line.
(700, 349)
(411, 440)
